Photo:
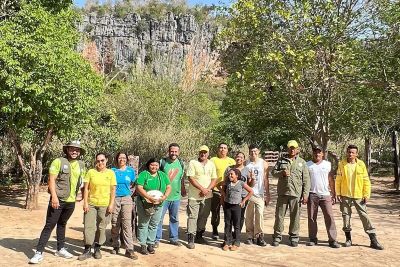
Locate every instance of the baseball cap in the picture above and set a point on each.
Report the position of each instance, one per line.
(204, 148)
(317, 147)
(292, 143)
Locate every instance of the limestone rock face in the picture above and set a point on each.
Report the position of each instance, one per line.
(174, 45)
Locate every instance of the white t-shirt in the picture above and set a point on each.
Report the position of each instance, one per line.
(258, 169)
(319, 174)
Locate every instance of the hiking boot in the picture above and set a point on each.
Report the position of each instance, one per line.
(312, 242)
(63, 253)
(334, 244)
(97, 252)
(87, 254)
(156, 244)
(115, 250)
(200, 239)
(38, 257)
(249, 241)
(175, 243)
(226, 248)
(131, 254)
(234, 248)
(293, 243)
(260, 240)
(215, 235)
(374, 242)
(275, 243)
(190, 241)
(143, 250)
(150, 249)
(348, 242)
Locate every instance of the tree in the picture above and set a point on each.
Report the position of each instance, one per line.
(46, 87)
(302, 68)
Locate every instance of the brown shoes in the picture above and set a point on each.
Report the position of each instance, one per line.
(234, 248)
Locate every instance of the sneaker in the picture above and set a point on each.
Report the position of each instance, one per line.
(131, 254)
(63, 253)
(234, 248)
(312, 242)
(115, 250)
(215, 236)
(275, 243)
(97, 254)
(175, 243)
(156, 244)
(143, 250)
(348, 243)
(249, 241)
(293, 243)
(85, 255)
(226, 248)
(38, 257)
(260, 241)
(334, 244)
(150, 249)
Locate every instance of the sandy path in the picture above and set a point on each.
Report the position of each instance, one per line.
(20, 229)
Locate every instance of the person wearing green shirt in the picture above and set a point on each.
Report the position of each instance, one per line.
(153, 188)
(65, 177)
(173, 167)
(98, 206)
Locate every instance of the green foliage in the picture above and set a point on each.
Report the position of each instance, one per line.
(154, 111)
(300, 68)
(44, 82)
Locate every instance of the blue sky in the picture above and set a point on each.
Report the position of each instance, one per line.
(191, 2)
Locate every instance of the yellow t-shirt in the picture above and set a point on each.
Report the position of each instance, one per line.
(100, 186)
(221, 165)
(203, 174)
(351, 173)
(55, 168)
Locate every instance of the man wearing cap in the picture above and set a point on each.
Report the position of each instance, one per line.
(322, 194)
(293, 188)
(221, 161)
(353, 188)
(202, 176)
(65, 178)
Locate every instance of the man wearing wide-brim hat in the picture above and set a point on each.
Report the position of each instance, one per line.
(65, 179)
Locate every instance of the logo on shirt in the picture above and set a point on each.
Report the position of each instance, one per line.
(172, 173)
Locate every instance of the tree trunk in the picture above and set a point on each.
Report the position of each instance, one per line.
(32, 194)
(368, 153)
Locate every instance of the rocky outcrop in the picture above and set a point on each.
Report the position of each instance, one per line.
(175, 45)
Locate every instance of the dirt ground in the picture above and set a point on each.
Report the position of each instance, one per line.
(20, 229)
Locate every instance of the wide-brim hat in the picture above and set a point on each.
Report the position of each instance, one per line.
(76, 144)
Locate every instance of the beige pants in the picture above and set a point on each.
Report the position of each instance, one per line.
(122, 216)
(255, 217)
(95, 220)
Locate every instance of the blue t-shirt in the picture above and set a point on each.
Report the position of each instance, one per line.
(124, 180)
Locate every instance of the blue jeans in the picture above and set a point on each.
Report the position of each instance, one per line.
(173, 210)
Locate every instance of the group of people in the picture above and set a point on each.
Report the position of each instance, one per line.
(239, 186)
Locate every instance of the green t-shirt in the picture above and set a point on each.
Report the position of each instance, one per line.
(55, 168)
(149, 182)
(174, 172)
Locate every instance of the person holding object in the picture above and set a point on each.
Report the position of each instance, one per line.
(98, 205)
(293, 189)
(322, 194)
(353, 188)
(65, 178)
(202, 177)
(122, 215)
(153, 188)
(231, 196)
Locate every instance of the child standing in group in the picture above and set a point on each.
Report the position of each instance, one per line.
(231, 198)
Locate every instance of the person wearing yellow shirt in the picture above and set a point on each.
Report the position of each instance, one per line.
(221, 161)
(99, 196)
(353, 188)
